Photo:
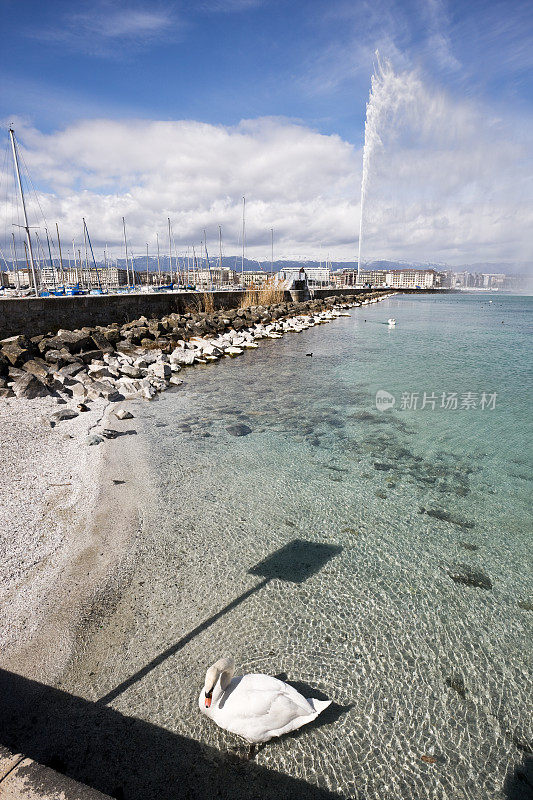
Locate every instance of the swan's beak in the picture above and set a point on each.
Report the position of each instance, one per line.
(208, 699)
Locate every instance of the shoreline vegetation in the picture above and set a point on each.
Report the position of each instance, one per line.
(65, 537)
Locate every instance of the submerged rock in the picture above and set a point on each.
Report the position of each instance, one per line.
(382, 466)
(467, 575)
(527, 605)
(469, 546)
(447, 516)
(239, 430)
(456, 683)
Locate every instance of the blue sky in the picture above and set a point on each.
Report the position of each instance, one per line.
(305, 64)
(220, 61)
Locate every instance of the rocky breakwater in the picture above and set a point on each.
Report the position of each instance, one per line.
(144, 356)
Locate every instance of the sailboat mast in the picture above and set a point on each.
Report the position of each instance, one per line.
(126, 248)
(21, 193)
(220, 250)
(146, 263)
(15, 264)
(243, 235)
(60, 256)
(87, 271)
(50, 257)
(271, 251)
(170, 249)
(158, 262)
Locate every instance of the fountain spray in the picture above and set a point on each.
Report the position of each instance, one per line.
(374, 111)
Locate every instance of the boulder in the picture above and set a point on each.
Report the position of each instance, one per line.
(160, 369)
(15, 352)
(39, 368)
(102, 343)
(69, 370)
(105, 390)
(121, 413)
(60, 416)
(90, 355)
(183, 357)
(130, 371)
(55, 357)
(29, 386)
(128, 386)
(4, 364)
(73, 341)
(78, 391)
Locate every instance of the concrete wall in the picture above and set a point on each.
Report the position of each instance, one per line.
(34, 315)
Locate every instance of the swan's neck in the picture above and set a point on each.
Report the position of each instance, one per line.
(225, 677)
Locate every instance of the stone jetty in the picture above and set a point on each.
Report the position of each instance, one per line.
(145, 356)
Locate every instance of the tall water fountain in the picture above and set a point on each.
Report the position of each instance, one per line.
(379, 102)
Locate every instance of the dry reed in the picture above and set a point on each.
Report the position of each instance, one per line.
(267, 294)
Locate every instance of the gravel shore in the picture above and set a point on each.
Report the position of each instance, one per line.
(61, 534)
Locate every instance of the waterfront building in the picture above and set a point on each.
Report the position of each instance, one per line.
(411, 278)
(20, 278)
(493, 280)
(255, 278)
(374, 277)
(106, 278)
(214, 277)
(316, 276)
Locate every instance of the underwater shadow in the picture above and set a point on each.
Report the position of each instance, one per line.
(330, 715)
(128, 758)
(519, 784)
(295, 562)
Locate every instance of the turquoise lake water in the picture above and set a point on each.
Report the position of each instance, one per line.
(414, 615)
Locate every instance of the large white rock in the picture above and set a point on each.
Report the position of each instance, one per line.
(160, 369)
(181, 356)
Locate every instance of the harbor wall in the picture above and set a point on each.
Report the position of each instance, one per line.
(40, 315)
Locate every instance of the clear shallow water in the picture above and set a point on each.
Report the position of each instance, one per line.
(417, 663)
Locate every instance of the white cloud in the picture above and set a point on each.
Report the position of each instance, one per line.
(106, 28)
(230, 6)
(447, 182)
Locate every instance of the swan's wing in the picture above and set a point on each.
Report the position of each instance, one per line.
(261, 696)
(258, 707)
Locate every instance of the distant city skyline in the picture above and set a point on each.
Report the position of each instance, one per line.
(151, 111)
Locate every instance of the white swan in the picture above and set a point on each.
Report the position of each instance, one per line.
(256, 707)
(391, 321)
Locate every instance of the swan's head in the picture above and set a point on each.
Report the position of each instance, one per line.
(223, 668)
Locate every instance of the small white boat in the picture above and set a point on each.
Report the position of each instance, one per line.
(391, 322)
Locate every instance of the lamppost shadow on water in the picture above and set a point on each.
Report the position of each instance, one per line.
(132, 759)
(295, 563)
